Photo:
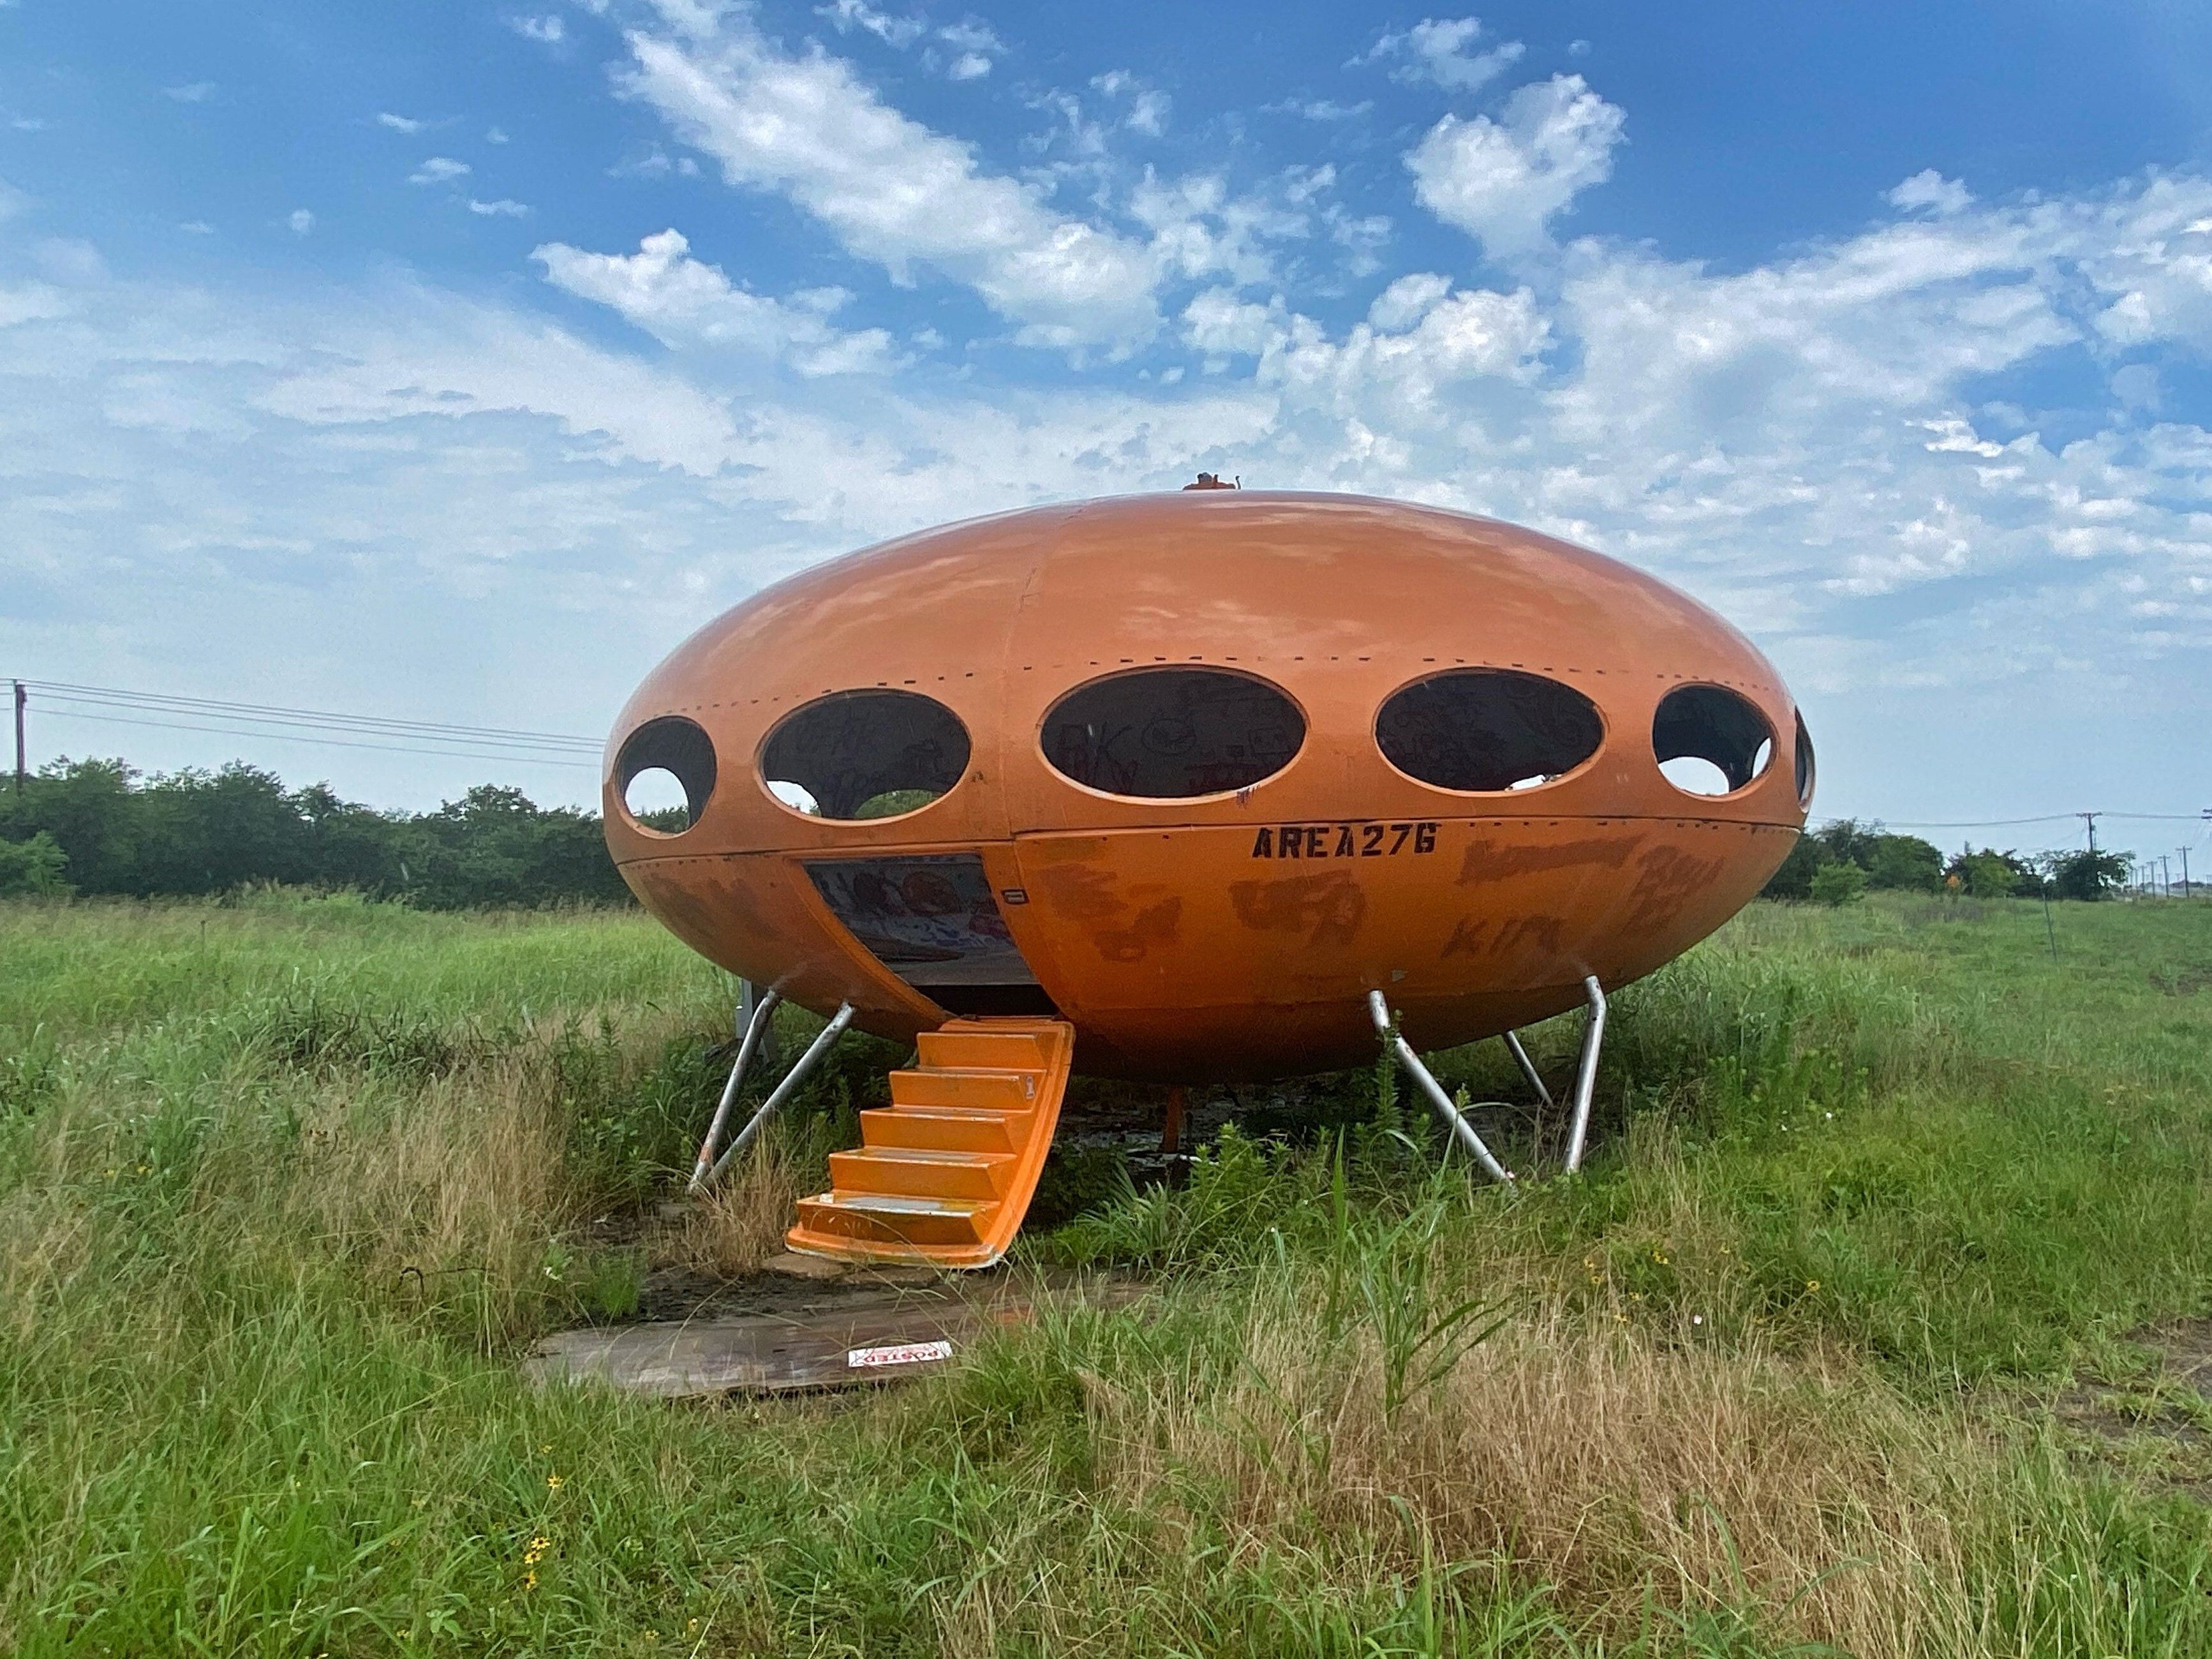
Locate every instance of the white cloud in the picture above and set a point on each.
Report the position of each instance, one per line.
(399, 123)
(197, 228)
(438, 170)
(1437, 50)
(1148, 105)
(1407, 299)
(890, 190)
(1809, 442)
(1501, 181)
(970, 66)
(301, 222)
(972, 34)
(547, 30)
(1389, 376)
(1320, 109)
(892, 31)
(12, 201)
(32, 302)
(1931, 190)
(689, 306)
(502, 208)
(192, 92)
(495, 135)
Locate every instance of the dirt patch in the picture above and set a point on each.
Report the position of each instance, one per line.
(679, 1293)
(2182, 981)
(2158, 1425)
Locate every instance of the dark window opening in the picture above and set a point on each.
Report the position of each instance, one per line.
(933, 921)
(1488, 730)
(1709, 740)
(1804, 764)
(1172, 733)
(862, 755)
(664, 774)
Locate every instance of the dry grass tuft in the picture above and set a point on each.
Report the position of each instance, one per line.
(46, 1241)
(734, 1227)
(1601, 1463)
(462, 1175)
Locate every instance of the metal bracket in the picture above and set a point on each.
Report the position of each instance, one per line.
(704, 1174)
(1461, 1129)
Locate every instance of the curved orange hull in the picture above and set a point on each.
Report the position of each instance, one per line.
(1231, 932)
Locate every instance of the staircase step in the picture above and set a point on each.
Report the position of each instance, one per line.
(945, 1128)
(878, 1218)
(969, 1087)
(920, 1173)
(962, 1044)
(947, 1174)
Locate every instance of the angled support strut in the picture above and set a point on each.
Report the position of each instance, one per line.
(1463, 1131)
(782, 1093)
(755, 1031)
(1528, 1068)
(1586, 1071)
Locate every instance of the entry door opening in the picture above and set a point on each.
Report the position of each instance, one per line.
(934, 920)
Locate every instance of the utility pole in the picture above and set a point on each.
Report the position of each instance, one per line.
(22, 697)
(2184, 851)
(2165, 875)
(2090, 818)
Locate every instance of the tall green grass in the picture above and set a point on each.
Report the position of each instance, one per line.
(285, 1183)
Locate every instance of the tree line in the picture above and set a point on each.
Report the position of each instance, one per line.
(1840, 860)
(99, 827)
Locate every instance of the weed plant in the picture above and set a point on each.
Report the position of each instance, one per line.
(1879, 1196)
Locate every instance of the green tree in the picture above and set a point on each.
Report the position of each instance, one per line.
(2088, 875)
(1905, 861)
(1838, 884)
(1794, 880)
(33, 867)
(193, 831)
(1846, 840)
(1986, 874)
(89, 809)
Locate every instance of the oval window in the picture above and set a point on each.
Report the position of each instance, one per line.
(1487, 730)
(1710, 741)
(858, 755)
(665, 774)
(1172, 733)
(1804, 764)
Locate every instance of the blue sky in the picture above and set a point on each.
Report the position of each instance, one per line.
(452, 362)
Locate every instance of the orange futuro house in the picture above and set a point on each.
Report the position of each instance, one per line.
(1172, 787)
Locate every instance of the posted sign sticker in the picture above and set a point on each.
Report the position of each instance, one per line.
(897, 1353)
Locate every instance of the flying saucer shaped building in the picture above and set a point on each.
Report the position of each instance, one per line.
(1164, 787)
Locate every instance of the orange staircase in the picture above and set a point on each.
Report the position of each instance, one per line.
(945, 1174)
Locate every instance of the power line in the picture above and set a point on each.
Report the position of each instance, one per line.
(1981, 823)
(66, 700)
(274, 713)
(329, 742)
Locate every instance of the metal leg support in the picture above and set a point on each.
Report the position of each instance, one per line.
(756, 1030)
(1463, 1131)
(1527, 1068)
(1586, 1071)
(784, 1090)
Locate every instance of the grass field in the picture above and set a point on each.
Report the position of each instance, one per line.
(1863, 1327)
